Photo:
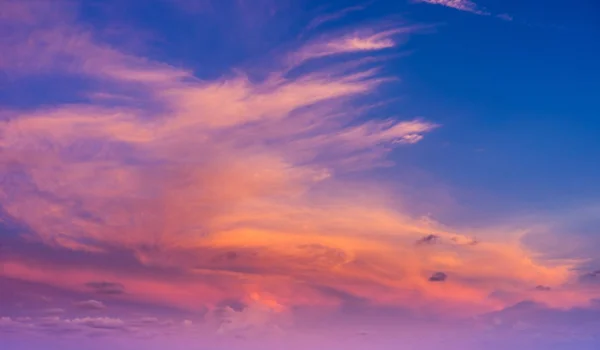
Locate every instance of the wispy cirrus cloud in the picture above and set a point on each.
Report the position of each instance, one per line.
(358, 41)
(505, 17)
(462, 5)
(467, 6)
(331, 17)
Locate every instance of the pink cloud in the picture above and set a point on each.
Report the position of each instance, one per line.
(362, 40)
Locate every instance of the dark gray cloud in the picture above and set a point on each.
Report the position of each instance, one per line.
(542, 288)
(438, 277)
(90, 305)
(429, 239)
(109, 288)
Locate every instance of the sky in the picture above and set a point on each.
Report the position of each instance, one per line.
(299, 174)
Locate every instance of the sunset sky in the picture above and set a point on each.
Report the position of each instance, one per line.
(299, 174)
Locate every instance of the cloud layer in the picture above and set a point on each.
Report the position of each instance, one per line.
(241, 199)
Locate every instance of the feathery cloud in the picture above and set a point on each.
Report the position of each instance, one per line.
(467, 6)
(361, 40)
(462, 5)
(322, 19)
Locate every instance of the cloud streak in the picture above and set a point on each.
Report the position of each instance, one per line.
(90, 305)
(110, 288)
(462, 5)
(361, 40)
(466, 6)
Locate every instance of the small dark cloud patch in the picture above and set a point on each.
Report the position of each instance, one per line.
(106, 288)
(225, 257)
(543, 288)
(429, 239)
(438, 277)
(90, 305)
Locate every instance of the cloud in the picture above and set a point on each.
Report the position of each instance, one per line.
(462, 5)
(543, 288)
(429, 239)
(54, 311)
(233, 304)
(10, 325)
(193, 191)
(505, 17)
(90, 305)
(462, 240)
(593, 276)
(100, 322)
(438, 277)
(326, 18)
(110, 288)
(358, 41)
(568, 235)
(558, 324)
(49, 39)
(467, 6)
(259, 316)
(93, 326)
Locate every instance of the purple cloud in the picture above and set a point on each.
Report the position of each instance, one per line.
(90, 305)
